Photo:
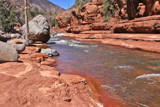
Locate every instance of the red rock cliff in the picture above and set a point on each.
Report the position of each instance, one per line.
(92, 12)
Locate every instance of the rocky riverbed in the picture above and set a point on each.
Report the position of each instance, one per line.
(34, 82)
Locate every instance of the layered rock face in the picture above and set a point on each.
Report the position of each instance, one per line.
(142, 8)
(39, 29)
(77, 21)
(87, 24)
(90, 13)
(150, 24)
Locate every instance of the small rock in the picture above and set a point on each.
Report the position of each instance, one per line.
(32, 49)
(49, 62)
(73, 79)
(50, 52)
(38, 57)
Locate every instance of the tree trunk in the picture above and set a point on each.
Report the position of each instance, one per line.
(26, 21)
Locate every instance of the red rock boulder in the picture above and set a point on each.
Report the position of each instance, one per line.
(38, 57)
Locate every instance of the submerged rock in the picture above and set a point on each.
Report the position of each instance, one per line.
(38, 29)
(7, 53)
(50, 52)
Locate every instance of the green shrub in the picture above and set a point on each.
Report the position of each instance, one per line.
(34, 12)
(108, 9)
(54, 21)
(79, 3)
(67, 18)
(8, 16)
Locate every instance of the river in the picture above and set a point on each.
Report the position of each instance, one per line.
(131, 76)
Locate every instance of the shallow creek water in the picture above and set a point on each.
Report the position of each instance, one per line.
(132, 77)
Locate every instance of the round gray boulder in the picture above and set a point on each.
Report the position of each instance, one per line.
(7, 53)
(39, 29)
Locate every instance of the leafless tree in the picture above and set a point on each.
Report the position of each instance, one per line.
(26, 19)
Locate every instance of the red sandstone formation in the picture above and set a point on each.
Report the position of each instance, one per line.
(87, 24)
(33, 84)
(92, 12)
(150, 24)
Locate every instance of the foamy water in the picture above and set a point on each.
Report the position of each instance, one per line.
(125, 67)
(147, 76)
(109, 88)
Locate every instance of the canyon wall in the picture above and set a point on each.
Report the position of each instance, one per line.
(93, 12)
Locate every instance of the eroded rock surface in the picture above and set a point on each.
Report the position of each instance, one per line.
(150, 24)
(33, 84)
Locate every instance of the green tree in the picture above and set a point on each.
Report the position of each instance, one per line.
(54, 21)
(34, 12)
(108, 9)
(79, 3)
(8, 16)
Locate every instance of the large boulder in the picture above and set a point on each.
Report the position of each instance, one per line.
(7, 53)
(39, 29)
